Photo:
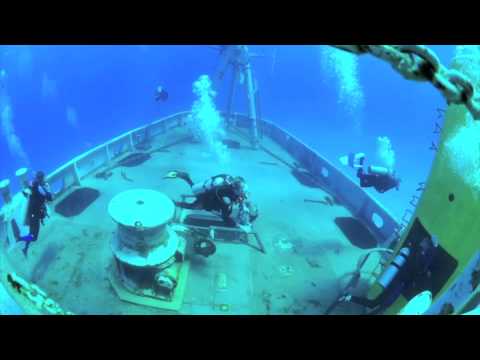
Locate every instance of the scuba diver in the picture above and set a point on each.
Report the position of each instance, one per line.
(409, 269)
(219, 193)
(161, 94)
(38, 193)
(380, 178)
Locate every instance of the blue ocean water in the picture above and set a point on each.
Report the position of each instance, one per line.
(66, 99)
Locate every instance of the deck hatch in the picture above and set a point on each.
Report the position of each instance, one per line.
(76, 202)
(135, 159)
(357, 233)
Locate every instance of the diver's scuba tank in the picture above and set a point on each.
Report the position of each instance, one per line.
(392, 270)
(378, 170)
(25, 206)
(203, 187)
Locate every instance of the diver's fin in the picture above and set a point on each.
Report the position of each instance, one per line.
(171, 175)
(344, 160)
(15, 230)
(348, 160)
(26, 238)
(179, 175)
(354, 160)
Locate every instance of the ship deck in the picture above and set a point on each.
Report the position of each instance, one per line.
(308, 256)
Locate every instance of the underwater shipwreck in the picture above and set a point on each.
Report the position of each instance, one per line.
(115, 242)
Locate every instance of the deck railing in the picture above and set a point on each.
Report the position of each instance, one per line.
(379, 221)
(72, 173)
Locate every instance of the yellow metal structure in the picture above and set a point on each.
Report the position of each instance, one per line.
(449, 208)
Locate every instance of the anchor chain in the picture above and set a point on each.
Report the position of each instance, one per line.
(419, 63)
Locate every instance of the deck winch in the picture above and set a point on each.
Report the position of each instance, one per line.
(148, 254)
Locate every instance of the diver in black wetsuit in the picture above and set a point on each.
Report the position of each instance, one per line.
(378, 177)
(219, 193)
(161, 94)
(39, 194)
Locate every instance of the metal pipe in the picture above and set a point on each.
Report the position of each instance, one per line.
(76, 175)
(252, 111)
(231, 96)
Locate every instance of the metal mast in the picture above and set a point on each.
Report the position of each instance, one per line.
(239, 57)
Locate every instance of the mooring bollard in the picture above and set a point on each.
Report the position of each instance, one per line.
(22, 177)
(5, 190)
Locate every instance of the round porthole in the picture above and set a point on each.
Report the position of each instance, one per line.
(377, 220)
(451, 197)
(324, 172)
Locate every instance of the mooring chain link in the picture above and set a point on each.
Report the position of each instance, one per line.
(419, 63)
